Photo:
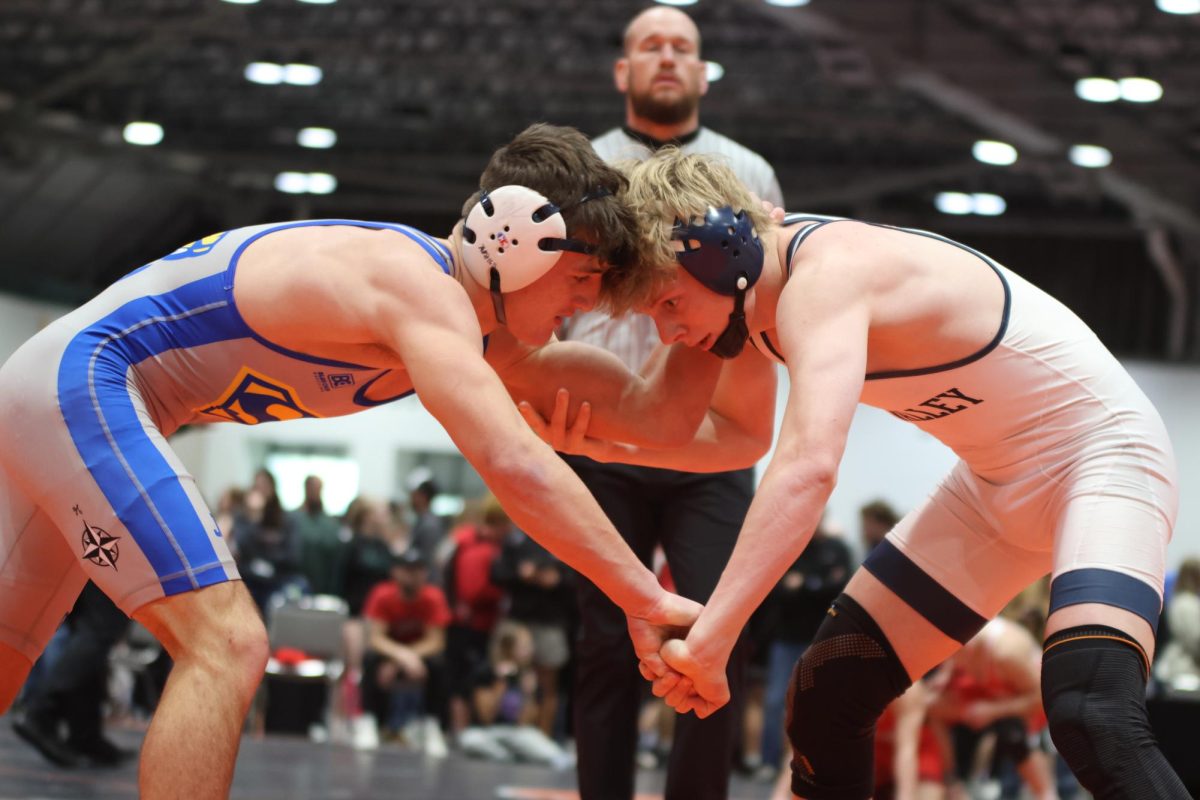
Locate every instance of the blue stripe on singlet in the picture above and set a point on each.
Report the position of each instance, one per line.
(922, 593)
(141, 487)
(1109, 588)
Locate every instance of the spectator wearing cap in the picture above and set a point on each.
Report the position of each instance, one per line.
(406, 622)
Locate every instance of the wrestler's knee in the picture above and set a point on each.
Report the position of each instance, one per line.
(1093, 689)
(216, 628)
(841, 685)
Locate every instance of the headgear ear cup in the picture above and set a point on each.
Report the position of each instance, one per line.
(724, 253)
(505, 232)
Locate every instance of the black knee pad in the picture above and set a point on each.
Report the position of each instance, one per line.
(844, 681)
(1094, 691)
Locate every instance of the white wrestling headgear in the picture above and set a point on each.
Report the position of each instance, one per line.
(513, 236)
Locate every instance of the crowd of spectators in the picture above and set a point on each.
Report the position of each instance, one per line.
(461, 633)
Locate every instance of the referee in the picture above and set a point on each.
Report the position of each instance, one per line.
(694, 517)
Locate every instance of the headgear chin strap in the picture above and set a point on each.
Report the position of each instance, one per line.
(724, 253)
(513, 236)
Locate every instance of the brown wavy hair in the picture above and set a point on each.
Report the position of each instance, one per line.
(559, 162)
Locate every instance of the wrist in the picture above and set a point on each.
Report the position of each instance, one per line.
(643, 597)
(708, 644)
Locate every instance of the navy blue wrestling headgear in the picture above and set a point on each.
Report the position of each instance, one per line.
(724, 253)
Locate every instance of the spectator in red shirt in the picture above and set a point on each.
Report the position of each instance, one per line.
(406, 622)
(475, 601)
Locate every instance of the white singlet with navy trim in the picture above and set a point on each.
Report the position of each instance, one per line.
(1065, 463)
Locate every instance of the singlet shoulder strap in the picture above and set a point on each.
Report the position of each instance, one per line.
(798, 239)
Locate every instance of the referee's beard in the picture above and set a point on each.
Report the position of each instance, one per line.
(661, 112)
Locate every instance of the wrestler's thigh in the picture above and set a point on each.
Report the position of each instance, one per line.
(941, 573)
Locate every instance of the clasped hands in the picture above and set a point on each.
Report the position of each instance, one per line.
(677, 667)
(679, 670)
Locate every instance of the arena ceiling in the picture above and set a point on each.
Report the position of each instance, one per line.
(865, 107)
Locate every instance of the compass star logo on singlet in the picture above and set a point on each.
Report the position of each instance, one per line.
(253, 398)
(99, 546)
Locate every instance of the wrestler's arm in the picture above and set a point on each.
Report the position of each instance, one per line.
(822, 320)
(434, 332)
(735, 432)
(659, 407)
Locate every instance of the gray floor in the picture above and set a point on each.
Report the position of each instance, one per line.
(281, 768)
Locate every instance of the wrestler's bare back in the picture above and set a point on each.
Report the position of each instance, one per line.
(327, 290)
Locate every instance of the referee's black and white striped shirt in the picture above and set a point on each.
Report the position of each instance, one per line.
(632, 338)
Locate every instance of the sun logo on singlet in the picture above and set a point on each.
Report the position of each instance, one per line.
(196, 248)
(253, 398)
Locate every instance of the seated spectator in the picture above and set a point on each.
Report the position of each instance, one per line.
(540, 598)
(504, 706)
(406, 619)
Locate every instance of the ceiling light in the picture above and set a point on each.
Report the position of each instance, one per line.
(143, 133)
(988, 205)
(713, 71)
(953, 203)
(993, 152)
(292, 182)
(788, 3)
(242, 2)
(1179, 6)
(677, 2)
(302, 74)
(320, 2)
(316, 138)
(1097, 90)
(301, 182)
(321, 183)
(1092, 156)
(264, 72)
(1140, 90)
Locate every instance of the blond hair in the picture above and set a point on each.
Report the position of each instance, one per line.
(671, 185)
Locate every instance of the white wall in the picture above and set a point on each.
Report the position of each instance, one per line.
(885, 458)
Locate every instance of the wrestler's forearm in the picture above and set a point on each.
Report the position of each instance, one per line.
(786, 510)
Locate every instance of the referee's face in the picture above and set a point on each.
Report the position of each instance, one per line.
(662, 72)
